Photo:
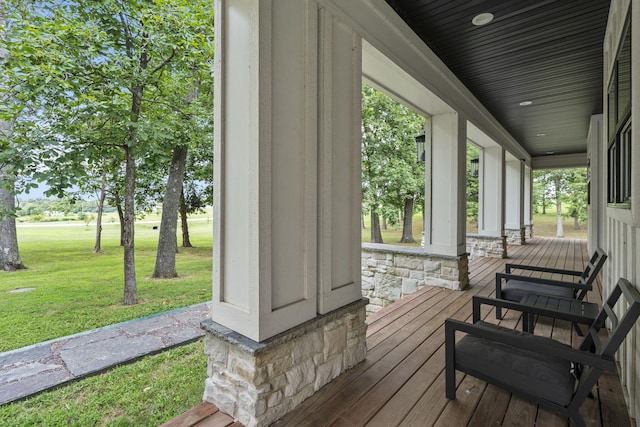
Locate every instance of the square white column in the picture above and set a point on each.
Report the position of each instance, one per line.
(491, 192)
(445, 195)
(514, 201)
(287, 174)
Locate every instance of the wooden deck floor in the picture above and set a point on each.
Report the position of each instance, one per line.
(401, 382)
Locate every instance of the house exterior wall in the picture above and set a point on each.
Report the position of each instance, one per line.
(622, 225)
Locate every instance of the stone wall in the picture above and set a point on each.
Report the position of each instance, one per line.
(390, 272)
(258, 383)
(516, 236)
(486, 246)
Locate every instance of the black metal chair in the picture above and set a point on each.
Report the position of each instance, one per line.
(516, 287)
(537, 368)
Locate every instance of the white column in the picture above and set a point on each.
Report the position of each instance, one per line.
(445, 198)
(528, 197)
(597, 203)
(340, 193)
(514, 195)
(265, 272)
(491, 192)
(287, 165)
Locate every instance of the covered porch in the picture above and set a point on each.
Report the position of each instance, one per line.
(401, 381)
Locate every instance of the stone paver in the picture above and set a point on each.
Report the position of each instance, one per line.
(33, 369)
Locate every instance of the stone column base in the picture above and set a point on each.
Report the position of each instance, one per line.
(258, 383)
(486, 246)
(516, 236)
(528, 231)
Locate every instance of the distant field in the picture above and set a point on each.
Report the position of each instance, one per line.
(543, 225)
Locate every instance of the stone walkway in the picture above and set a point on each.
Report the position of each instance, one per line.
(36, 368)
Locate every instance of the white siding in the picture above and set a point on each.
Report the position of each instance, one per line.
(622, 225)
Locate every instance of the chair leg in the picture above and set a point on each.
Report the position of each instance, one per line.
(578, 329)
(450, 364)
(576, 418)
(499, 313)
(528, 323)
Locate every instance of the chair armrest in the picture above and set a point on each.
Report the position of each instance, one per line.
(523, 341)
(509, 267)
(508, 276)
(478, 301)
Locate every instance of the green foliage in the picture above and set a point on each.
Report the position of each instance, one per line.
(73, 70)
(572, 191)
(473, 152)
(390, 172)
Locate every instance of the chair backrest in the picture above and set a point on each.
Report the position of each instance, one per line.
(620, 327)
(591, 271)
(593, 267)
(606, 347)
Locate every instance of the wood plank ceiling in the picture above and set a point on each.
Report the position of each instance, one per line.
(547, 52)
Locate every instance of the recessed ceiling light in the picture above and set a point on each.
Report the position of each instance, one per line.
(541, 134)
(550, 152)
(525, 103)
(482, 19)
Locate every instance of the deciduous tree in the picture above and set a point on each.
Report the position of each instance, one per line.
(392, 179)
(91, 77)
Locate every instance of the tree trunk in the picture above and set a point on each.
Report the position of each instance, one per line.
(130, 288)
(559, 231)
(364, 227)
(407, 227)
(9, 256)
(167, 242)
(118, 201)
(186, 242)
(384, 223)
(576, 223)
(101, 196)
(376, 234)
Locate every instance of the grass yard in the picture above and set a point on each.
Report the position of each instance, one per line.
(393, 233)
(143, 394)
(76, 290)
(545, 225)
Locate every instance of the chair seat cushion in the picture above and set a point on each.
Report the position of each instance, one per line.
(515, 290)
(517, 369)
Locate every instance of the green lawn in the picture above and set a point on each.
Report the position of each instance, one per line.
(76, 290)
(545, 225)
(393, 233)
(143, 394)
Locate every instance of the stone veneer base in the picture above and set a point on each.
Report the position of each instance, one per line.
(516, 236)
(258, 383)
(486, 246)
(391, 272)
(528, 231)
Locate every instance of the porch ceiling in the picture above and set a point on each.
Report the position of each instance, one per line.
(544, 51)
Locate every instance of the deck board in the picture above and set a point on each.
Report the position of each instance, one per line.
(401, 383)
